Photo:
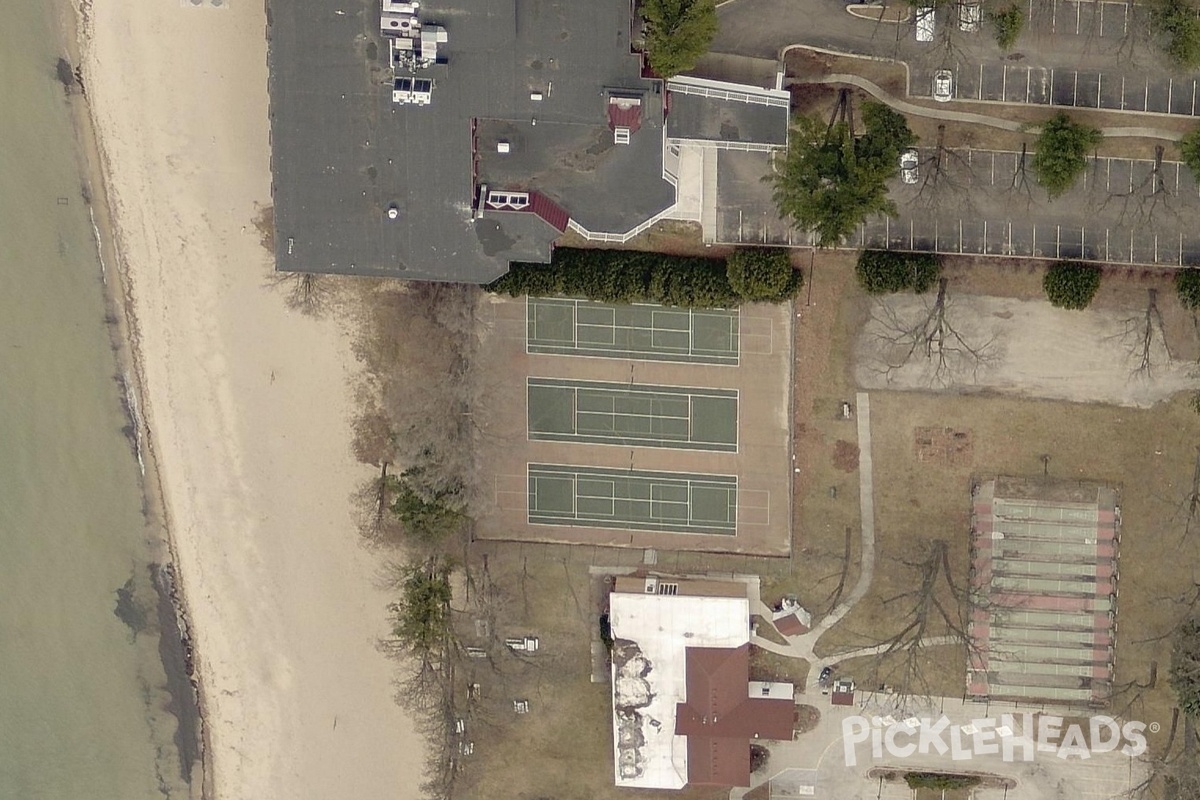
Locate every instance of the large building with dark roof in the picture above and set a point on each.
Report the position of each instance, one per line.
(442, 141)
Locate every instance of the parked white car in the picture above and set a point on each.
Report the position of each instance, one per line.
(943, 85)
(908, 166)
(926, 23)
(970, 15)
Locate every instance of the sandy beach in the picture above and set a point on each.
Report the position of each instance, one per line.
(248, 406)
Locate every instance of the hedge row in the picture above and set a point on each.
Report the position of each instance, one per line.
(630, 276)
(890, 271)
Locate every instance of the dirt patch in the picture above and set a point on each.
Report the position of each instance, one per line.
(945, 446)
(264, 223)
(807, 718)
(845, 456)
(1024, 348)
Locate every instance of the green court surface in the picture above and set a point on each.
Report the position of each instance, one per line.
(595, 412)
(636, 500)
(654, 333)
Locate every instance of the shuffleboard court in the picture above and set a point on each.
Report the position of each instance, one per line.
(560, 326)
(595, 497)
(599, 412)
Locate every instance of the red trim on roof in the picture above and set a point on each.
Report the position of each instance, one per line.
(550, 212)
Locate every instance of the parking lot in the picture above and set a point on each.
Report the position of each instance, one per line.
(983, 202)
(1069, 88)
(1103, 20)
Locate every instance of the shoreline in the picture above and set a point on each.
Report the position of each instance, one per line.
(73, 17)
(242, 412)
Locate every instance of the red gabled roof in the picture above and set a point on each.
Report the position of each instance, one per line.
(790, 625)
(718, 761)
(720, 718)
(624, 112)
(550, 211)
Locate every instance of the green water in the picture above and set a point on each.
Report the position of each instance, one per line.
(82, 700)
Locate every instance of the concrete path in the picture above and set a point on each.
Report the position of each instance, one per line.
(970, 118)
(802, 646)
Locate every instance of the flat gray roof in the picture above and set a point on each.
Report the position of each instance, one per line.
(342, 152)
(702, 110)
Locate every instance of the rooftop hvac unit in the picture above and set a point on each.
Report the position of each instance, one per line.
(621, 135)
(651, 585)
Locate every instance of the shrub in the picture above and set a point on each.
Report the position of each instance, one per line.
(937, 780)
(1187, 286)
(1061, 155)
(888, 271)
(1071, 284)
(763, 274)
(630, 276)
(1009, 23)
(759, 756)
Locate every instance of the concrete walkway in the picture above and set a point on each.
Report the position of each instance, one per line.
(802, 646)
(970, 118)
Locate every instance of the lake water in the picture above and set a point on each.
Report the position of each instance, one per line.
(83, 701)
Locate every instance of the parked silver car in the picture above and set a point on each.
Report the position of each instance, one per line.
(908, 166)
(943, 85)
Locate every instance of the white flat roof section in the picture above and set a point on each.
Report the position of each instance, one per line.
(649, 677)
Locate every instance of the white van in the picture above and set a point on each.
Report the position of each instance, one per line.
(926, 21)
(970, 14)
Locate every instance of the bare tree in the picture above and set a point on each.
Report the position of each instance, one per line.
(1144, 337)
(1175, 773)
(935, 617)
(1142, 200)
(1020, 184)
(305, 292)
(932, 334)
(948, 176)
